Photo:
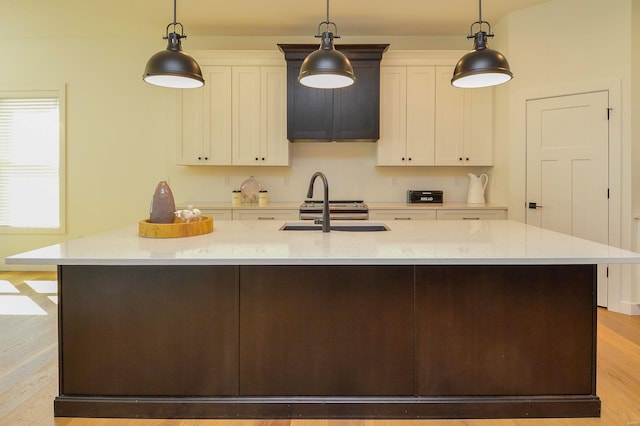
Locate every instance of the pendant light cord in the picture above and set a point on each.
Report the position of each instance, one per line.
(175, 23)
(327, 24)
(480, 22)
(327, 21)
(174, 11)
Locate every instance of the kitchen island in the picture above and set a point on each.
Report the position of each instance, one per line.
(454, 319)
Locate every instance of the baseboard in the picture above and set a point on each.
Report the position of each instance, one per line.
(485, 407)
(629, 308)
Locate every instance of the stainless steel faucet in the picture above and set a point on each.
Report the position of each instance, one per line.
(326, 224)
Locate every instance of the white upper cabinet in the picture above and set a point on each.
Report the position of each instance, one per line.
(407, 116)
(464, 123)
(239, 116)
(424, 120)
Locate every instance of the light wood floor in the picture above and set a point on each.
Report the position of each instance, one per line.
(28, 375)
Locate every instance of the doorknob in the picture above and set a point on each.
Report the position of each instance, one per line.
(534, 206)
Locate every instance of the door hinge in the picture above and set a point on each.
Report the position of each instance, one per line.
(609, 113)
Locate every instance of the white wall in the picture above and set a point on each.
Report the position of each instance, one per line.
(116, 147)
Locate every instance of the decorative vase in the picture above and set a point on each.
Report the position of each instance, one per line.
(250, 189)
(163, 207)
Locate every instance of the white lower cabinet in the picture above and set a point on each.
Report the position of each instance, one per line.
(472, 214)
(402, 214)
(218, 214)
(374, 214)
(438, 214)
(265, 214)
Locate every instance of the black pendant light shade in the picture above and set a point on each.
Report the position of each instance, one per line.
(482, 67)
(326, 68)
(172, 67)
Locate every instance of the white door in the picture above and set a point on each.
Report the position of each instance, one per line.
(567, 168)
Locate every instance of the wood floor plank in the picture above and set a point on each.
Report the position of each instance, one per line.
(28, 377)
(625, 325)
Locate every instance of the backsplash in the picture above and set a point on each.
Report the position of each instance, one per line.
(350, 169)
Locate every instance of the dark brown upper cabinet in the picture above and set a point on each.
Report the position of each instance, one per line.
(347, 114)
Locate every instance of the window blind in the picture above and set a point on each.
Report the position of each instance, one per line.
(30, 162)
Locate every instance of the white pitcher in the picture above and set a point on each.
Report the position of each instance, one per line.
(477, 185)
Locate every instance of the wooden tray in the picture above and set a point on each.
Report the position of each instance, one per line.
(176, 229)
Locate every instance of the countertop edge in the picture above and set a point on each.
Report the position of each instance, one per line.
(373, 205)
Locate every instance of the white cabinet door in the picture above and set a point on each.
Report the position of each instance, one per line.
(265, 214)
(190, 146)
(464, 123)
(449, 120)
(392, 145)
(478, 127)
(420, 115)
(472, 214)
(402, 214)
(407, 108)
(204, 120)
(259, 111)
(218, 214)
(246, 115)
(274, 145)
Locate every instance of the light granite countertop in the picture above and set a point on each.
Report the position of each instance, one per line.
(490, 242)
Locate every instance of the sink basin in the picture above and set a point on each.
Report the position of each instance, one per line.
(348, 227)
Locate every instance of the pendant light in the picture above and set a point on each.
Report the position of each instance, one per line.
(326, 68)
(172, 67)
(481, 67)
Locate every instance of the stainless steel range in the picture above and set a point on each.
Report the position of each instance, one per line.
(338, 210)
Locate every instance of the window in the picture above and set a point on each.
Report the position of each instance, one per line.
(32, 160)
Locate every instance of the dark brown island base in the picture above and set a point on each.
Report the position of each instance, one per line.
(335, 341)
(428, 319)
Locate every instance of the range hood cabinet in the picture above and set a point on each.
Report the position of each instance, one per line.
(341, 115)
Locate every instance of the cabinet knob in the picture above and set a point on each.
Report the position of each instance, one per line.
(467, 158)
(256, 158)
(199, 158)
(409, 158)
(402, 158)
(262, 158)
(460, 158)
(206, 158)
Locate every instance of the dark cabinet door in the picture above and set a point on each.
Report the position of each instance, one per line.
(356, 109)
(326, 330)
(309, 110)
(148, 330)
(350, 113)
(505, 330)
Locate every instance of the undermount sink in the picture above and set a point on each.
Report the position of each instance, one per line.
(349, 227)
